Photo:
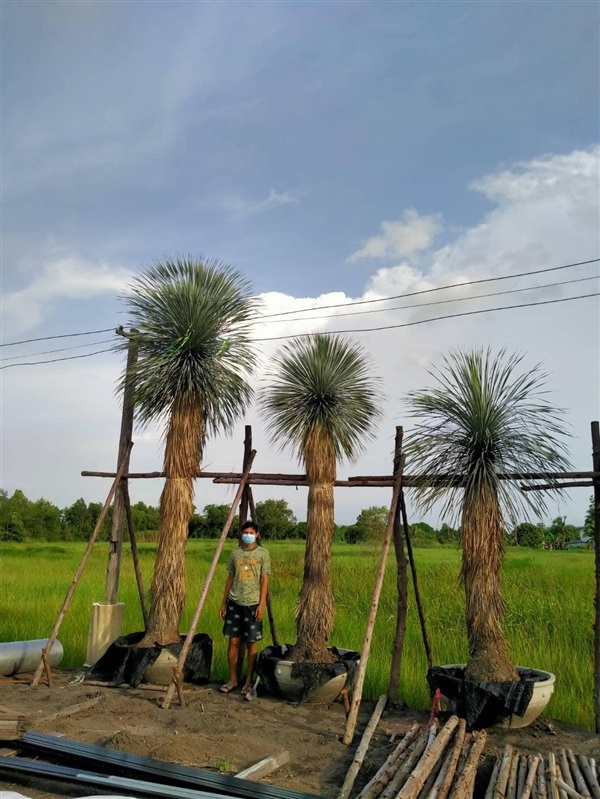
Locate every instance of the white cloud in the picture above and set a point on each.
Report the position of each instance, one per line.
(402, 238)
(68, 278)
(547, 214)
(241, 207)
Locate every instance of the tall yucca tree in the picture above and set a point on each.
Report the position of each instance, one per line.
(194, 318)
(486, 416)
(323, 402)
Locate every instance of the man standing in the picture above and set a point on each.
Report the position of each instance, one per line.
(244, 602)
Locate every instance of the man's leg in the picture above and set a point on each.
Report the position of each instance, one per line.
(252, 648)
(232, 659)
(240, 661)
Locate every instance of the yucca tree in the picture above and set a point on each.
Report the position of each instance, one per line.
(194, 318)
(323, 402)
(485, 417)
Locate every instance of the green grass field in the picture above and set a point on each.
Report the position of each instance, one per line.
(549, 621)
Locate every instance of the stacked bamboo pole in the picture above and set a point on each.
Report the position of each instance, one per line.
(426, 764)
(560, 776)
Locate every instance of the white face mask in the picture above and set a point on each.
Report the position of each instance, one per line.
(248, 538)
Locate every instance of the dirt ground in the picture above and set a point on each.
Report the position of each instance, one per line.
(226, 733)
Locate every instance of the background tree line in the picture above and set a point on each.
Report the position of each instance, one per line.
(24, 520)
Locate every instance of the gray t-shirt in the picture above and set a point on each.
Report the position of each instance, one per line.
(247, 567)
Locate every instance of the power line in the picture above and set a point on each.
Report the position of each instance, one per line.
(346, 305)
(436, 302)
(439, 288)
(62, 335)
(423, 321)
(54, 360)
(60, 349)
(342, 305)
(359, 330)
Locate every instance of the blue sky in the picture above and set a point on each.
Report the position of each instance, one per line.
(279, 137)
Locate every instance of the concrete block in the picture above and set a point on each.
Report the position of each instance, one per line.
(106, 624)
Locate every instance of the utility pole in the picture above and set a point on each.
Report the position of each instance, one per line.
(113, 570)
(107, 616)
(596, 468)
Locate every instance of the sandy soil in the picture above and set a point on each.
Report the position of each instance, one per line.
(227, 733)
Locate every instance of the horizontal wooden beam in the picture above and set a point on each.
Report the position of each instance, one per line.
(282, 482)
(558, 486)
(236, 476)
(366, 481)
(507, 476)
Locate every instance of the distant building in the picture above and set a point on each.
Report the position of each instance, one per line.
(584, 542)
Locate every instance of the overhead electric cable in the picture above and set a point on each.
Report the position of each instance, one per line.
(55, 360)
(438, 288)
(435, 302)
(343, 304)
(423, 321)
(62, 335)
(59, 349)
(358, 330)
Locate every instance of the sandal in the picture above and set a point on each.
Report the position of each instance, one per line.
(246, 689)
(227, 688)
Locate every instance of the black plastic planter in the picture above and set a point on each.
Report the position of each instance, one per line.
(124, 662)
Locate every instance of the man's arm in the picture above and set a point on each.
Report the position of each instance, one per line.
(228, 587)
(264, 587)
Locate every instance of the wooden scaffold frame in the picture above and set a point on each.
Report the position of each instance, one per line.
(397, 531)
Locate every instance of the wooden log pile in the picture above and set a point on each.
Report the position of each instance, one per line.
(430, 763)
(560, 775)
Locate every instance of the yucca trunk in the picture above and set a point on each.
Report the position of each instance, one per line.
(315, 610)
(482, 555)
(183, 452)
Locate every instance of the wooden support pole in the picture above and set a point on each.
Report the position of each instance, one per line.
(503, 774)
(542, 786)
(382, 778)
(444, 781)
(401, 583)
(595, 429)
(532, 764)
(413, 569)
(251, 505)
(522, 773)
(243, 518)
(178, 667)
(578, 777)
(134, 553)
(466, 778)
(590, 775)
(565, 767)
(270, 615)
(564, 786)
(413, 756)
(562, 794)
(362, 749)
(490, 789)
(243, 515)
(416, 780)
(84, 559)
(552, 773)
(113, 569)
(364, 656)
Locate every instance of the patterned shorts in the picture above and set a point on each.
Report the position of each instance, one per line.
(240, 622)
